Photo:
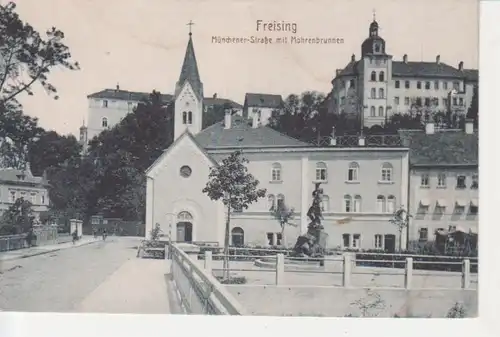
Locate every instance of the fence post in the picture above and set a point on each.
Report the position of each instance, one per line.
(408, 272)
(208, 261)
(280, 268)
(466, 274)
(346, 270)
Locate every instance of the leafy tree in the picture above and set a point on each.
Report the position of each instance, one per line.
(402, 121)
(473, 111)
(18, 218)
(215, 114)
(27, 57)
(283, 214)
(401, 219)
(230, 182)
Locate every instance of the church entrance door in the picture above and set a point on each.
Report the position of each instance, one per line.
(184, 231)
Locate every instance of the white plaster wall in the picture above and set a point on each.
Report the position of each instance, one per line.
(187, 101)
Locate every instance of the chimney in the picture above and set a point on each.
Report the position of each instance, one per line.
(353, 58)
(461, 65)
(333, 139)
(438, 59)
(337, 72)
(469, 126)
(429, 128)
(215, 95)
(405, 58)
(117, 87)
(361, 140)
(227, 119)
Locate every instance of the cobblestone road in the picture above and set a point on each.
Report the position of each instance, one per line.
(59, 281)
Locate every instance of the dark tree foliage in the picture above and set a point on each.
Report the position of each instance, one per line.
(473, 111)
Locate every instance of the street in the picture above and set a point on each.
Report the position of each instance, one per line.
(60, 281)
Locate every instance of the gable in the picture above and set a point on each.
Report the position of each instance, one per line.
(187, 93)
(186, 146)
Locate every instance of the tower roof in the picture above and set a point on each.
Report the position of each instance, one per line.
(189, 71)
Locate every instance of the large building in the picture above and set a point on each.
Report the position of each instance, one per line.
(376, 86)
(363, 184)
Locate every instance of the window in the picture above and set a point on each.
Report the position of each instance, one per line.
(33, 198)
(373, 76)
(381, 77)
(95, 221)
(441, 180)
(391, 204)
(407, 84)
(104, 103)
(460, 181)
(381, 204)
(436, 85)
(381, 93)
(418, 101)
(321, 172)
(185, 171)
(352, 173)
(455, 101)
(396, 84)
(381, 111)
(407, 100)
(184, 117)
(445, 101)
(424, 180)
(372, 111)
(184, 216)
(280, 200)
(456, 86)
(373, 93)
(104, 122)
(190, 117)
(396, 100)
(386, 172)
(356, 240)
(459, 209)
(12, 196)
(276, 172)
(278, 239)
(271, 200)
(435, 101)
(357, 204)
(352, 84)
(423, 234)
(237, 236)
(43, 199)
(460, 101)
(342, 100)
(445, 85)
(419, 85)
(427, 101)
(346, 240)
(270, 239)
(427, 85)
(23, 195)
(378, 241)
(475, 182)
(347, 203)
(474, 209)
(377, 48)
(325, 203)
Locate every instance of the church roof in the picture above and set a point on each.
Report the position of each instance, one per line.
(13, 176)
(242, 135)
(189, 71)
(125, 95)
(263, 100)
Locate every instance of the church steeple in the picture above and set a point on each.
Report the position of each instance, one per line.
(189, 71)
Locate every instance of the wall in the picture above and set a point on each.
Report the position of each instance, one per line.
(187, 101)
(38, 206)
(114, 112)
(338, 302)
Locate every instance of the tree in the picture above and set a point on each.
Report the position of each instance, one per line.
(473, 112)
(27, 57)
(230, 182)
(403, 122)
(18, 218)
(401, 219)
(283, 214)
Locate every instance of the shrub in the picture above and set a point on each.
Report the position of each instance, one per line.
(456, 311)
(232, 280)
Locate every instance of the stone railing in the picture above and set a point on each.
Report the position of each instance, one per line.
(199, 291)
(44, 236)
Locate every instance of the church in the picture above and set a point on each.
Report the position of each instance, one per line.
(363, 184)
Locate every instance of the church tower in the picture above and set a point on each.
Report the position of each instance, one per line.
(188, 94)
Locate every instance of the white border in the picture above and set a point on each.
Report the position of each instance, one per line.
(29, 324)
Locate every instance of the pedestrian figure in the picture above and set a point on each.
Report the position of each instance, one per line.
(104, 234)
(75, 236)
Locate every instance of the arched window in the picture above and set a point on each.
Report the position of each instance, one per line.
(352, 84)
(357, 204)
(373, 76)
(347, 203)
(276, 172)
(381, 204)
(104, 122)
(184, 117)
(381, 111)
(184, 216)
(190, 117)
(325, 203)
(391, 204)
(237, 236)
(381, 93)
(321, 172)
(377, 48)
(352, 173)
(386, 172)
(372, 111)
(373, 93)
(381, 76)
(280, 200)
(271, 202)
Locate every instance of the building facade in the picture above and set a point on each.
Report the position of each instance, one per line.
(15, 184)
(262, 106)
(444, 181)
(376, 86)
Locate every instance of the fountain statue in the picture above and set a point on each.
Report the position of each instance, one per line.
(313, 243)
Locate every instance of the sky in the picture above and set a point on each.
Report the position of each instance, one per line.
(140, 45)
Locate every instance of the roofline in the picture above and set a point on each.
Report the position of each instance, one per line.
(300, 149)
(443, 165)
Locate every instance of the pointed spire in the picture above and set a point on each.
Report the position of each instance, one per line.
(189, 71)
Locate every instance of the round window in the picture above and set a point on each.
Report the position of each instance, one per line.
(185, 171)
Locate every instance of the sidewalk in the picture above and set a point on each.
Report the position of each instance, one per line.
(139, 286)
(33, 251)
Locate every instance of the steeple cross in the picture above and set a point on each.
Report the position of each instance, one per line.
(190, 24)
(374, 13)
